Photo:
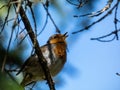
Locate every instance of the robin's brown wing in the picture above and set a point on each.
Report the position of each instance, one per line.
(30, 61)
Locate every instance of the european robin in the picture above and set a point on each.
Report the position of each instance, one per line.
(55, 54)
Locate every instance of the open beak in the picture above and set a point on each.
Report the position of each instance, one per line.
(65, 35)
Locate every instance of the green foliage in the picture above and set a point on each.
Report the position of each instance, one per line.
(7, 83)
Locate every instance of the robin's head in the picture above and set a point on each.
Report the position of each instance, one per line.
(58, 38)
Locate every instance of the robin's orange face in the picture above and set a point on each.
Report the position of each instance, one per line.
(58, 38)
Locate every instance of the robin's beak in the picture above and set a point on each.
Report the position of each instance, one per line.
(65, 35)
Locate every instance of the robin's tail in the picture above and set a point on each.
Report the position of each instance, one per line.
(27, 80)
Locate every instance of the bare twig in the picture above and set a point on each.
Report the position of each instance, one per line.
(115, 32)
(6, 18)
(97, 13)
(6, 54)
(95, 22)
(23, 39)
(43, 26)
(104, 36)
(72, 3)
(118, 74)
(29, 4)
(81, 3)
(116, 21)
(46, 8)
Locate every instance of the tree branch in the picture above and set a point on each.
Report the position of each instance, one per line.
(97, 21)
(33, 38)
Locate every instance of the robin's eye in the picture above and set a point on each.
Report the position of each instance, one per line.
(54, 37)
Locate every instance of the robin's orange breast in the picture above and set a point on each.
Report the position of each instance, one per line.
(60, 50)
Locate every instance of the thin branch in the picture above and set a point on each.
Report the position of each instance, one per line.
(29, 4)
(23, 39)
(100, 39)
(6, 18)
(95, 22)
(97, 13)
(33, 85)
(118, 74)
(115, 32)
(6, 54)
(17, 23)
(43, 26)
(80, 3)
(104, 36)
(116, 21)
(72, 3)
(46, 8)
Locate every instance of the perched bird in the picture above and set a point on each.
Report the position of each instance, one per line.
(55, 54)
